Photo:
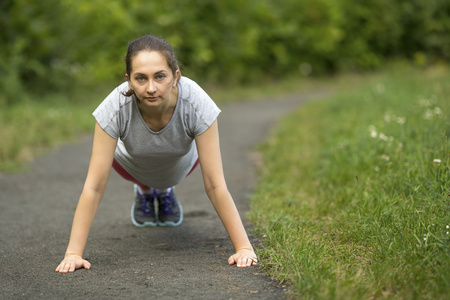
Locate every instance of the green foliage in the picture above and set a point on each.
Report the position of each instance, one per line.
(354, 198)
(380, 29)
(60, 45)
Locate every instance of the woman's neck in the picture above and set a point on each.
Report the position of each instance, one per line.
(158, 117)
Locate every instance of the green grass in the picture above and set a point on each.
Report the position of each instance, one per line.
(354, 197)
(30, 128)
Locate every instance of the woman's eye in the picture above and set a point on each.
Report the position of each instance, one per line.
(140, 79)
(160, 76)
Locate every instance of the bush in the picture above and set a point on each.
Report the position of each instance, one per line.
(54, 44)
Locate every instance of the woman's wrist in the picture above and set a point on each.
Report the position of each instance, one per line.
(245, 248)
(70, 253)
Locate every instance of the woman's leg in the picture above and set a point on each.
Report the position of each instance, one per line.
(193, 167)
(143, 210)
(122, 172)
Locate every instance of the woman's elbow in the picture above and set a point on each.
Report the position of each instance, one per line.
(212, 190)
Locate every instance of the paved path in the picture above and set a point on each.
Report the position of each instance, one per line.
(187, 262)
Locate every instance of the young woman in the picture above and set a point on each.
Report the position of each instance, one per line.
(154, 129)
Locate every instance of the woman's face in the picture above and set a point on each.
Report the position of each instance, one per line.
(151, 78)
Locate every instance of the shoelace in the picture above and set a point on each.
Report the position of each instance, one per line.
(147, 199)
(166, 202)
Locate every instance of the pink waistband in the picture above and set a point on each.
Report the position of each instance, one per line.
(122, 172)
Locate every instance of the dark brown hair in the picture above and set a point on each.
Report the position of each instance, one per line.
(150, 43)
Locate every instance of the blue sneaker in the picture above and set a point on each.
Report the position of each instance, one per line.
(143, 209)
(170, 212)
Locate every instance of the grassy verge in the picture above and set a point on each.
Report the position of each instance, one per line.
(31, 127)
(354, 198)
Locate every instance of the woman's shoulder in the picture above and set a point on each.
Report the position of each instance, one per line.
(117, 97)
(191, 91)
(115, 102)
(188, 84)
(199, 109)
(120, 91)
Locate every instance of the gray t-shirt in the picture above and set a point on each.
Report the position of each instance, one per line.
(157, 159)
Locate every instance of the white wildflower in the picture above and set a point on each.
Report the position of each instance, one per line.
(385, 157)
(424, 102)
(373, 131)
(428, 114)
(377, 169)
(448, 227)
(387, 118)
(383, 137)
(401, 120)
(438, 161)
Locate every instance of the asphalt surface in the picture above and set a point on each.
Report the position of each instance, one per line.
(186, 262)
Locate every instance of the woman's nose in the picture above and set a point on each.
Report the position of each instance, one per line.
(151, 88)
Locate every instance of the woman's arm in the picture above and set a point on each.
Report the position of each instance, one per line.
(208, 147)
(94, 188)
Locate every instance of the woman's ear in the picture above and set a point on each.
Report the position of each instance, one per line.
(129, 82)
(177, 77)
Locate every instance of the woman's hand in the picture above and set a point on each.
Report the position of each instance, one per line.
(243, 258)
(71, 262)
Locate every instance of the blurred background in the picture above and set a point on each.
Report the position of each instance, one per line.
(60, 58)
(58, 45)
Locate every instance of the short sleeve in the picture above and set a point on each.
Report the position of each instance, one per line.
(108, 114)
(201, 110)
